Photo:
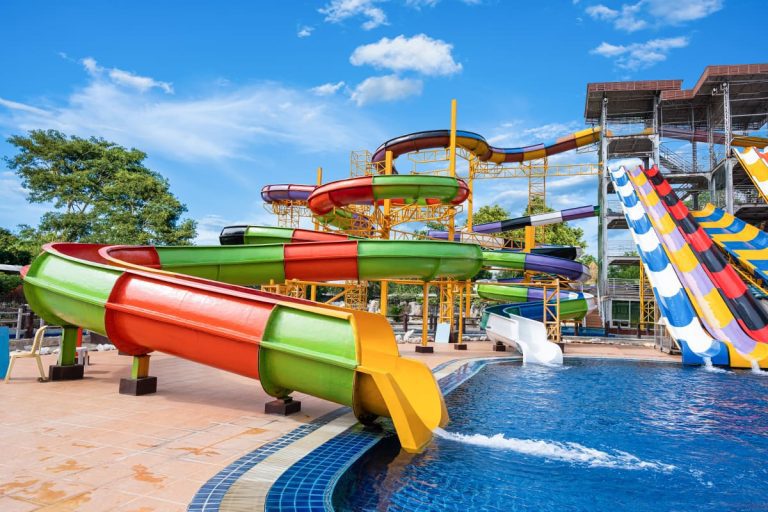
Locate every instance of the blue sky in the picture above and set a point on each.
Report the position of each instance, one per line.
(226, 97)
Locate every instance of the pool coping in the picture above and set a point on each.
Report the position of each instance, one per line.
(298, 471)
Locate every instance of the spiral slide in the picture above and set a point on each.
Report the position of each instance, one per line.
(520, 323)
(755, 163)
(674, 305)
(742, 241)
(711, 304)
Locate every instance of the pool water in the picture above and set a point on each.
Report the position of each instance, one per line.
(591, 435)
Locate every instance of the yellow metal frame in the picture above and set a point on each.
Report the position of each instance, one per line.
(353, 293)
(647, 302)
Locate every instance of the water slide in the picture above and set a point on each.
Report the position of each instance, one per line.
(711, 303)
(478, 146)
(755, 163)
(746, 244)
(675, 307)
(519, 321)
(186, 301)
(541, 219)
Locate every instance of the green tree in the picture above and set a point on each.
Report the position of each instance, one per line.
(8, 283)
(101, 192)
(12, 250)
(624, 271)
(491, 213)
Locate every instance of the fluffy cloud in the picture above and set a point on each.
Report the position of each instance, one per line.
(328, 89)
(305, 31)
(234, 123)
(419, 53)
(638, 56)
(385, 88)
(125, 78)
(633, 17)
(340, 10)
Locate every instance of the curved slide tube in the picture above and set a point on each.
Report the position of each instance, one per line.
(477, 145)
(348, 357)
(541, 219)
(681, 319)
(755, 163)
(710, 305)
(743, 305)
(744, 242)
(521, 324)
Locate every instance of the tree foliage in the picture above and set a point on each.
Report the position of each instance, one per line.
(13, 251)
(101, 192)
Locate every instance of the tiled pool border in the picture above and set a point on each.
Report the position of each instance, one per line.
(307, 485)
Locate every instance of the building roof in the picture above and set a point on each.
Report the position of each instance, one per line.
(633, 100)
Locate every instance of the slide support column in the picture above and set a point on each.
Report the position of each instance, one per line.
(140, 382)
(66, 369)
(424, 348)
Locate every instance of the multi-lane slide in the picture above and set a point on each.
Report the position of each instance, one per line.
(714, 307)
(746, 244)
(674, 305)
(185, 301)
(755, 163)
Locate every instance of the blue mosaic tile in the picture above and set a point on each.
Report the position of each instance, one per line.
(308, 485)
(319, 471)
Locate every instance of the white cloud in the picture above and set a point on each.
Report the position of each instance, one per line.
(418, 4)
(638, 56)
(681, 11)
(515, 133)
(419, 53)
(305, 31)
(328, 89)
(633, 17)
(625, 19)
(340, 10)
(385, 88)
(125, 78)
(230, 124)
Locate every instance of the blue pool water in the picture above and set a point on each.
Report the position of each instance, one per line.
(591, 435)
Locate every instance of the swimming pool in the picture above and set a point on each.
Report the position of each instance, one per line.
(591, 435)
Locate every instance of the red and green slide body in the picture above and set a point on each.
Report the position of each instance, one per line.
(186, 301)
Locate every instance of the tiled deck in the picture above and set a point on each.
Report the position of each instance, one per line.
(82, 446)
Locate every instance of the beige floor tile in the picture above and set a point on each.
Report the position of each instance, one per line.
(10, 504)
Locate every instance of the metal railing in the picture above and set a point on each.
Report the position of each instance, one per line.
(627, 288)
(621, 248)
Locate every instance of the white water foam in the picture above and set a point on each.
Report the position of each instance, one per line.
(708, 366)
(566, 452)
(756, 369)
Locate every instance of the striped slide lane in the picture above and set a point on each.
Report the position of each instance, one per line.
(706, 298)
(755, 162)
(741, 302)
(674, 304)
(744, 242)
(542, 219)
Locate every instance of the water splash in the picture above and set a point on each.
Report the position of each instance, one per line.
(756, 369)
(708, 366)
(567, 452)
